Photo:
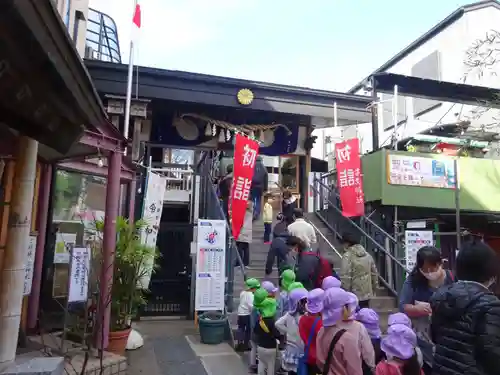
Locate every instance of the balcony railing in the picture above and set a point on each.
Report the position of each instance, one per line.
(102, 38)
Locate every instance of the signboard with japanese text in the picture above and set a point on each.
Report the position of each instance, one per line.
(151, 214)
(79, 275)
(414, 240)
(245, 155)
(210, 265)
(64, 243)
(29, 265)
(419, 171)
(349, 177)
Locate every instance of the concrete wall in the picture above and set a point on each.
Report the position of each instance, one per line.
(452, 45)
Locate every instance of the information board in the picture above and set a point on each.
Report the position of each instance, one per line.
(210, 265)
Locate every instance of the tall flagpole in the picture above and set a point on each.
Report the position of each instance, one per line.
(128, 99)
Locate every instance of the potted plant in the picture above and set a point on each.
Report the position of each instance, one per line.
(133, 261)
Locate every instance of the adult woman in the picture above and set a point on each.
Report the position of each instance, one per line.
(426, 277)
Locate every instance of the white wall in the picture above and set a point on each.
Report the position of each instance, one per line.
(452, 43)
(67, 9)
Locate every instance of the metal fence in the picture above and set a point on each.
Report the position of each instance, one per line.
(102, 38)
(384, 248)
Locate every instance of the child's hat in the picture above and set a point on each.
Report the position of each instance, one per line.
(330, 282)
(334, 302)
(315, 301)
(259, 296)
(252, 283)
(268, 308)
(295, 285)
(287, 278)
(352, 304)
(295, 296)
(400, 342)
(269, 286)
(370, 320)
(399, 318)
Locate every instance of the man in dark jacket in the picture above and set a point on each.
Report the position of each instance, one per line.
(465, 324)
(278, 250)
(259, 186)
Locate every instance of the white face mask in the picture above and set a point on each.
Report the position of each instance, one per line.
(432, 276)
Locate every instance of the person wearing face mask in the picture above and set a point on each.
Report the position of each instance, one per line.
(465, 324)
(426, 277)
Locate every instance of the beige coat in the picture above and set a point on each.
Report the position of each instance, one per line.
(246, 229)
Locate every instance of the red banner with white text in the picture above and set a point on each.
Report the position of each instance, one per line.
(245, 154)
(349, 177)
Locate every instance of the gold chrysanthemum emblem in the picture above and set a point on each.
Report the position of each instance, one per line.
(245, 96)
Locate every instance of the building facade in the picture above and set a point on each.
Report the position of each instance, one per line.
(463, 48)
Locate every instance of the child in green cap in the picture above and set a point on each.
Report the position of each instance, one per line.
(244, 312)
(258, 298)
(267, 337)
(287, 278)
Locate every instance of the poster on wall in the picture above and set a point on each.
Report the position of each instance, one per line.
(419, 171)
(151, 213)
(414, 240)
(79, 275)
(29, 265)
(210, 265)
(64, 243)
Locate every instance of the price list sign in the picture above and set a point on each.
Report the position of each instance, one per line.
(210, 265)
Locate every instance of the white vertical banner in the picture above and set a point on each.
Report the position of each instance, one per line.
(414, 241)
(151, 213)
(79, 274)
(210, 265)
(29, 265)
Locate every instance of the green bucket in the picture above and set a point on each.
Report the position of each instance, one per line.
(212, 327)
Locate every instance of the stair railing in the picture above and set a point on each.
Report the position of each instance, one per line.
(211, 208)
(381, 245)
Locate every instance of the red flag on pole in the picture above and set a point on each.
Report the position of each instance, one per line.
(349, 177)
(245, 154)
(137, 16)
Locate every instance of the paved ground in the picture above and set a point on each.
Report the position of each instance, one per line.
(172, 347)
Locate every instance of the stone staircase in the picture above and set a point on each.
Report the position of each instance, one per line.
(382, 303)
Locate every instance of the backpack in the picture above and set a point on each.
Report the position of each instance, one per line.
(323, 270)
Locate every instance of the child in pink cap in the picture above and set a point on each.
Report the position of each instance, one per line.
(345, 335)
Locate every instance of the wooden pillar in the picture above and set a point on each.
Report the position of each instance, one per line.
(4, 220)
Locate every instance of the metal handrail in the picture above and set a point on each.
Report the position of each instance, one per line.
(326, 240)
(366, 218)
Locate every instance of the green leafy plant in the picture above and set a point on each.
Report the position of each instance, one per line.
(133, 260)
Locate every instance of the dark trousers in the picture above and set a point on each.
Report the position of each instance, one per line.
(313, 370)
(244, 329)
(364, 304)
(244, 250)
(257, 202)
(267, 232)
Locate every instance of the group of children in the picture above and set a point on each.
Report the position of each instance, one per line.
(322, 331)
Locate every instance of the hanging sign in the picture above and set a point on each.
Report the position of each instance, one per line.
(245, 155)
(151, 214)
(349, 178)
(420, 171)
(29, 265)
(414, 241)
(64, 243)
(210, 265)
(79, 274)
